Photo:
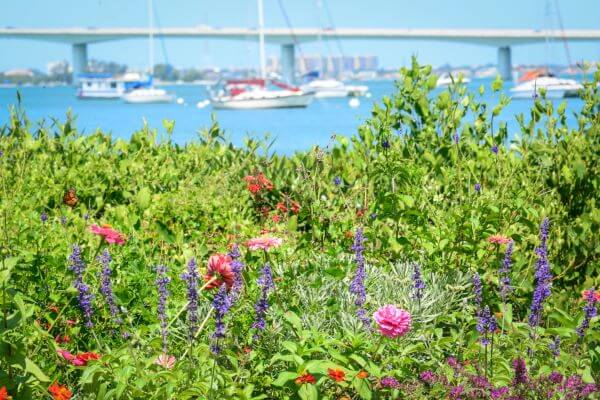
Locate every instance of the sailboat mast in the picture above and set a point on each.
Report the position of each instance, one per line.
(261, 39)
(151, 36)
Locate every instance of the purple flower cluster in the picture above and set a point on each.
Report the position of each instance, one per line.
(554, 346)
(221, 303)
(418, 284)
(428, 377)
(77, 265)
(494, 149)
(357, 286)
(477, 187)
(191, 278)
(389, 382)
(106, 286)
(520, 372)
(589, 312)
(162, 280)
(456, 138)
(543, 277)
(486, 325)
(265, 281)
(337, 181)
(478, 291)
(44, 217)
(236, 267)
(504, 272)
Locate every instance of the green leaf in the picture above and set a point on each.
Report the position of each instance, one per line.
(308, 392)
(294, 320)
(143, 198)
(34, 370)
(284, 377)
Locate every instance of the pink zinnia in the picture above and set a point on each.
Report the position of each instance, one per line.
(392, 321)
(219, 268)
(79, 360)
(499, 239)
(165, 360)
(106, 231)
(264, 243)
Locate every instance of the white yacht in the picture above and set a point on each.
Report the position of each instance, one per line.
(555, 88)
(254, 93)
(446, 79)
(106, 86)
(327, 88)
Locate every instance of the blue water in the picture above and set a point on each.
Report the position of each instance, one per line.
(292, 129)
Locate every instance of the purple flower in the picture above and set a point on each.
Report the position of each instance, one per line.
(337, 181)
(543, 277)
(555, 377)
(418, 284)
(86, 216)
(385, 144)
(505, 288)
(191, 279)
(494, 149)
(478, 291)
(77, 265)
(389, 382)
(357, 286)
(456, 138)
(589, 312)
(221, 304)
(428, 377)
(162, 280)
(44, 217)
(520, 369)
(236, 267)
(265, 281)
(498, 393)
(480, 382)
(456, 392)
(486, 325)
(477, 187)
(373, 215)
(555, 346)
(106, 287)
(63, 220)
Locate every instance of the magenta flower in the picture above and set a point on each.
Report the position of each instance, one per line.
(392, 321)
(263, 243)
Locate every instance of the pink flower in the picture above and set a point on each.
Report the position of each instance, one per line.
(165, 360)
(80, 360)
(111, 235)
(586, 293)
(499, 239)
(219, 268)
(392, 321)
(263, 242)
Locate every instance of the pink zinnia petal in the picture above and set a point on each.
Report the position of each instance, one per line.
(392, 321)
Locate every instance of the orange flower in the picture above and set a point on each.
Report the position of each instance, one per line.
(295, 207)
(219, 266)
(281, 207)
(276, 218)
(305, 378)
(362, 375)
(499, 239)
(264, 182)
(336, 374)
(59, 392)
(348, 234)
(4, 394)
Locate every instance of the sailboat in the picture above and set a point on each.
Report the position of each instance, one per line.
(149, 94)
(329, 88)
(258, 93)
(535, 81)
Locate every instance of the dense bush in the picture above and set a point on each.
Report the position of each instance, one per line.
(484, 245)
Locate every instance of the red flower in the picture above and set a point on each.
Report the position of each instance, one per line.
(264, 182)
(295, 207)
(276, 218)
(59, 392)
(281, 207)
(4, 394)
(62, 339)
(79, 360)
(219, 266)
(305, 378)
(336, 374)
(253, 188)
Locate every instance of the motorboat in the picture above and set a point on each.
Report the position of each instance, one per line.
(239, 94)
(328, 88)
(148, 95)
(555, 88)
(106, 86)
(446, 79)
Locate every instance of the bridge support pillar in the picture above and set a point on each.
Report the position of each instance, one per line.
(80, 60)
(288, 61)
(505, 63)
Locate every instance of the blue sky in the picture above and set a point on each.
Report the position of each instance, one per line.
(576, 14)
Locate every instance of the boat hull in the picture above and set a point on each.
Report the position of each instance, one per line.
(148, 96)
(295, 101)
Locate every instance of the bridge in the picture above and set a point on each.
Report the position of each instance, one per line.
(503, 39)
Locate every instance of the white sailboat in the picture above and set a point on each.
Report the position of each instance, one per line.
(149, 94)
(255, 93)
(446, 79)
